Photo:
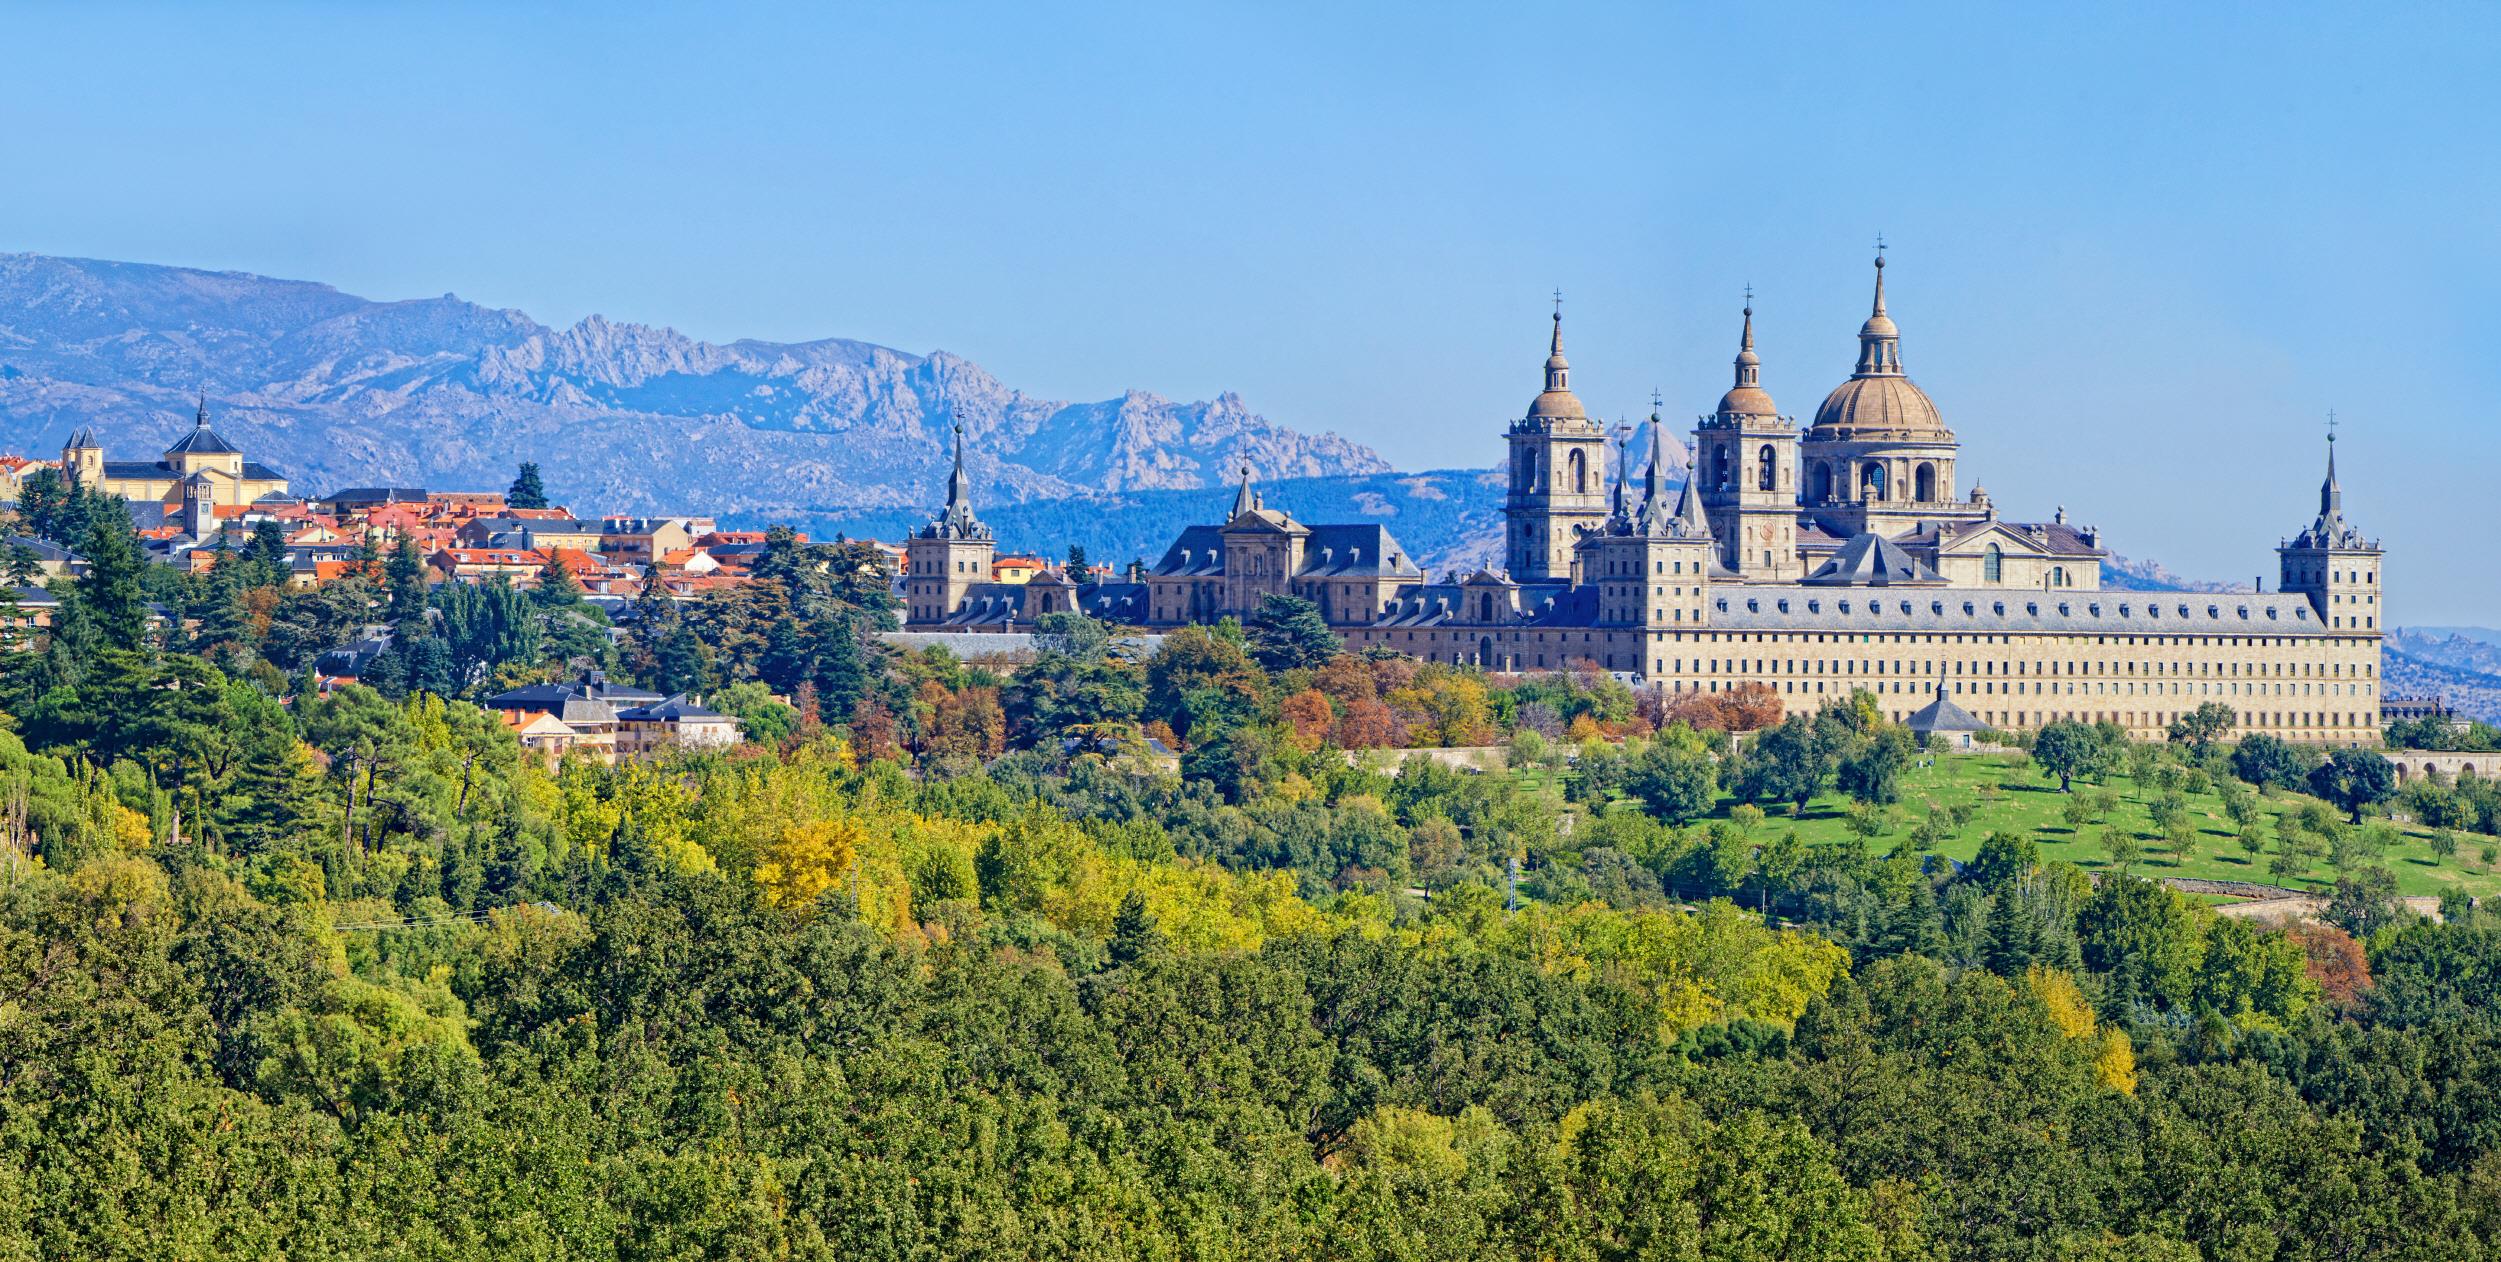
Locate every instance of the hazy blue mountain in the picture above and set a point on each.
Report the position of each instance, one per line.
(340, 390)
(1447, 518)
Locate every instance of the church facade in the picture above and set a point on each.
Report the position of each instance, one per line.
(1819, 561)
(201, 468)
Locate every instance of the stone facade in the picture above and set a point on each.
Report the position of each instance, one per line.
(1820, 562)
(201, 470)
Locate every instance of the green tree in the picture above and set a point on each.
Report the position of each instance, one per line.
(2355, 779)
(2200, 728)
(1872, 770)
(527, 490)
(1788, 762)
(1677, 783)
(1290, 634)
(111, 590)
(2067, 749)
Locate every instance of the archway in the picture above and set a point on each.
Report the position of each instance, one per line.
(1871, 482)
(1820, 482)
(1924, 483)
(1765, 463)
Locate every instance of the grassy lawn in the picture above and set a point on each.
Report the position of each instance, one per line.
(2005, 792)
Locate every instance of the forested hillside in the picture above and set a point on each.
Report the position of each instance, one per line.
(940, 965)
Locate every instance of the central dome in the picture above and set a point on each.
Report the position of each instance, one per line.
(1887, 405)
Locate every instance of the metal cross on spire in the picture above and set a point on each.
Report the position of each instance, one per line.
(1558, 304)
(1879, 245)
(2331, 425)
(1657, 401)
(1749, 297)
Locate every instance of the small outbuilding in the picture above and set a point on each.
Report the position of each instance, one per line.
(1943, 724)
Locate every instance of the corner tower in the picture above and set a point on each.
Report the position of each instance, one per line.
(2333, 564)
(949, 555)
(1746, 463)
(1557, 477)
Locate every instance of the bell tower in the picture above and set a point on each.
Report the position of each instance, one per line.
(1746, 463)
(2332, 563)
(1557, 476)
(949, 555)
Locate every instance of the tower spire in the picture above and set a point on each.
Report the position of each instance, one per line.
(201, 419)
(1558, 370)
(959, 487)
(1623, 435)
(1879, 341)
(1243, 500)
(1749, 365)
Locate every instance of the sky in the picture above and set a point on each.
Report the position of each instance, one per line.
(2137, 253)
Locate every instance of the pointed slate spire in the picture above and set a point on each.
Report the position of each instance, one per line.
(200, 420)
(1690, 523)
(1623, 433)
(1244, 501)
(959, 487)
(1650, 477)
(2331, 496)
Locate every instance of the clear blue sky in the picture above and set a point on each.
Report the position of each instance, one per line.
(2138, 252)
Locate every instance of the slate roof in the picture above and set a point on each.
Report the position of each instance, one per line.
(135, 470)
(365, 495)
(1199, 550)
(1871, 560)
(1999, 610)
(2056, 537)
(1356, 550)
(1942, 715)
(672, 709)
(203, 441)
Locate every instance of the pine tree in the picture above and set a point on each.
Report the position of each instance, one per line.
(1134, 933)
(407, 575)
(266, 553)
(527, 490)
(111, 588)
(556, 587)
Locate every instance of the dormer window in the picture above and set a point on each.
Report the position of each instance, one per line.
(2000, 608)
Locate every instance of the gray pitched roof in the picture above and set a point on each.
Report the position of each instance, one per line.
(1942, 715)
(1871, 560)
(1783, 607)
(203, 441)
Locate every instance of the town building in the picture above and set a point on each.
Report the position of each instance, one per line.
(1839, 557)
(200, 466)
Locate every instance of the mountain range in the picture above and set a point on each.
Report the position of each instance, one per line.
(338, 390)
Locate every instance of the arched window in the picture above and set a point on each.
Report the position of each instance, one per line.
(2058, 576)
(1992, 562)
(1821, 482)
(1764, 464)
(1485, 603)
(1871, 482)
(1925, 483)
(1721, 475)
(1580, 472)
